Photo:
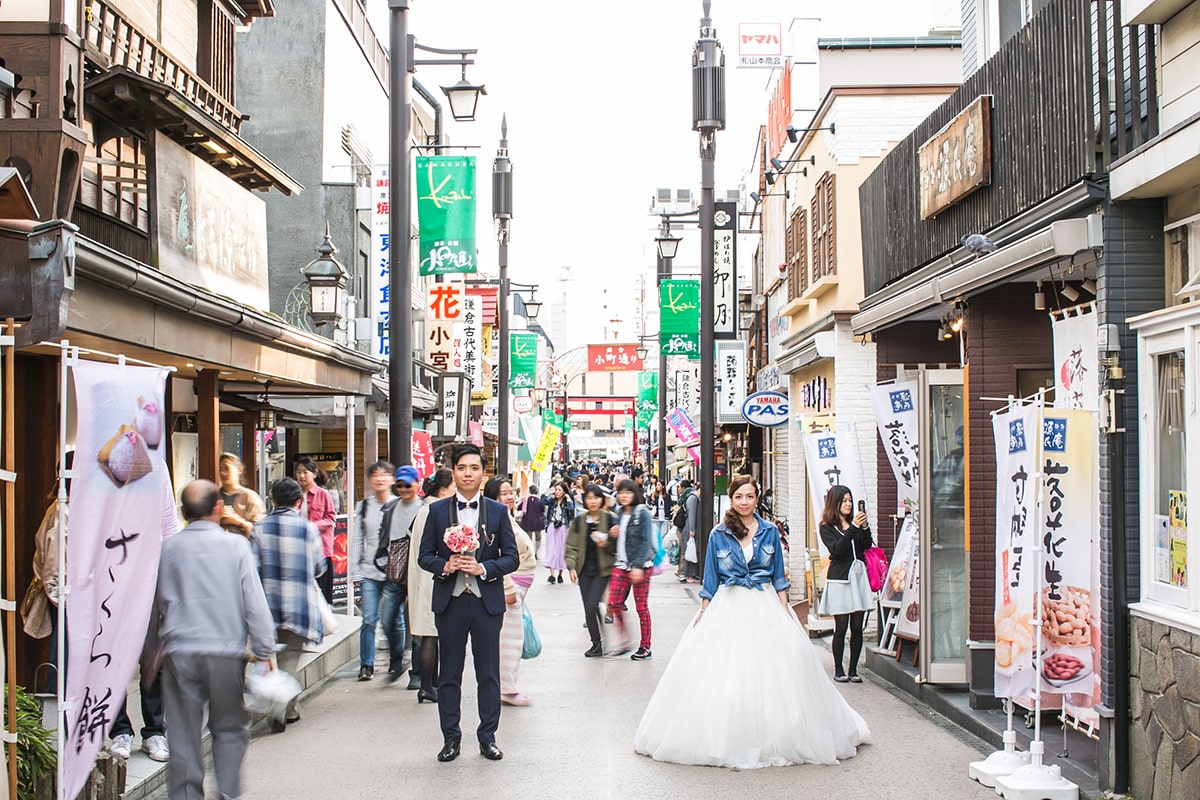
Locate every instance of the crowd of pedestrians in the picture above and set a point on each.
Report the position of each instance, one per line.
(243, 583)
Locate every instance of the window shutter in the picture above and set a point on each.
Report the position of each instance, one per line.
(830, 226)
(801, 251)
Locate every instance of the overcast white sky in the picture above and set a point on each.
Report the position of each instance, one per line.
(598, 98)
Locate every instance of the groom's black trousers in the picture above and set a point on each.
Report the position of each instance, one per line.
(466, 616)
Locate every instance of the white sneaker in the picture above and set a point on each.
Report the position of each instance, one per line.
(121, 745)
(156, 748)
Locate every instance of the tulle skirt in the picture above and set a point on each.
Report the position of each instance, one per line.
(747, 689)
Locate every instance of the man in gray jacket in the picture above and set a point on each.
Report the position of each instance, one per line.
(208, 607)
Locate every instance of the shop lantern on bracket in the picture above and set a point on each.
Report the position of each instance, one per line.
(326, 279)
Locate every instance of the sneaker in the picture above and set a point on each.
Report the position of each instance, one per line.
(365, 672)
(560, 577)
(642, 654)
(594, 651)
(121, 745)
(156, 747)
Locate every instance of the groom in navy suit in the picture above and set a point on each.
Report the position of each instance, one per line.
(468, 599)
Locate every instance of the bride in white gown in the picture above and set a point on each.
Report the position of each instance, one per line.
(746, 688)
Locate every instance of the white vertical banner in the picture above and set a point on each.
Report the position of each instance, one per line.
(443, 309)
(832, 460)
(1076, 361)
(895, 406)
(1015, 433)
(452, 406)
(725, 305)
(1070, 519)
(468, 334)
(122, 506)
(731, 380)
(379, 261)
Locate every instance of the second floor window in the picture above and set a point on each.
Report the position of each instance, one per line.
(824, 228)
(114, 178)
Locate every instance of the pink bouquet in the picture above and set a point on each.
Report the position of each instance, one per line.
(461, 539)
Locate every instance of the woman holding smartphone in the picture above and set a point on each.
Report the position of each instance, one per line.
(847, 535)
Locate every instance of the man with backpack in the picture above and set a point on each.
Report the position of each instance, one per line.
(685, 520)
(380, 523)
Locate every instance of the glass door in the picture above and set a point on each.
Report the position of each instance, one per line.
(943, 551)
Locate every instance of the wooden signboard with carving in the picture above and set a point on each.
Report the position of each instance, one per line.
(957, 160)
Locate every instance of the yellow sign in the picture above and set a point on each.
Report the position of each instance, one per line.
(541, 459)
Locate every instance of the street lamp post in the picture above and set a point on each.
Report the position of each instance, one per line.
(463, 97)
(502, 213)
(708, 117)
(504, 399)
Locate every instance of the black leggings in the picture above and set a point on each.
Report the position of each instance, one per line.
(429, 664)
(840, 622)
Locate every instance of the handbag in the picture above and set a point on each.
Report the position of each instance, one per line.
(35, 610)
(531, 647)
(877, 567)
(397, 560)
(689, 552)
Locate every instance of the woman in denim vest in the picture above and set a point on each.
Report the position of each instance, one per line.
(755, 690)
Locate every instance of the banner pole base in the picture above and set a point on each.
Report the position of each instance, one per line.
(1000, 763)
(1036, 781)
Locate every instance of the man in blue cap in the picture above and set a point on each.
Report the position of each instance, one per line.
(383, 519)
(408, 482)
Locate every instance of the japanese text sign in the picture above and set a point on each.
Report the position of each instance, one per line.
(647, 400)
(443, 310)
(550, 436)
(1076, 361)
(380, 261)
(725, 306)
(760, 44)
(122, 506)
(613, 358)
(679, 318)
(731, 380)
(446, 212)
(468, 339)
(957, 160)
(896, 417)
(522, 360)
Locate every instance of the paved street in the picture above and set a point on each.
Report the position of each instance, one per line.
(371, 740)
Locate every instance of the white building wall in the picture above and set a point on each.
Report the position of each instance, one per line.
(854, 373)
(868, 126)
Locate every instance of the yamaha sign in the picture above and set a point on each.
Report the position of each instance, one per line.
(766, 409)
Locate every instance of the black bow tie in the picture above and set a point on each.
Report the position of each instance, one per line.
(463, 504)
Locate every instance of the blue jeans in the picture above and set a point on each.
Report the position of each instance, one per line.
(382, 599)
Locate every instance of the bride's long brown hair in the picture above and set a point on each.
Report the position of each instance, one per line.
(733, 520)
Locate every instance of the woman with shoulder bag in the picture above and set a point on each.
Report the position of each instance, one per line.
(516, 585)
(847, 595)
(590, 558)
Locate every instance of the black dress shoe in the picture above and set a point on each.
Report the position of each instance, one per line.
(423, 695)
(449, 751)
(489, 751)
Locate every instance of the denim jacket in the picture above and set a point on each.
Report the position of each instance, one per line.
(725, 564)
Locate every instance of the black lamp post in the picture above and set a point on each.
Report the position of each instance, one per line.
(502, 214)
(708, 117)
(403, 47)
(668, 248)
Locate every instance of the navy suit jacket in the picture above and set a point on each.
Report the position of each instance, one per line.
(498, 558)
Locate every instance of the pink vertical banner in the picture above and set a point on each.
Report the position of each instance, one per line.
(682, 425)
(476, 430)
(122, 506)
(695, 454)
(422, 453)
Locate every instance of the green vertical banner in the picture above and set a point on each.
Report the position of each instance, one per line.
(647, 401)
(446, 211)
(679, 318)
(522, 360)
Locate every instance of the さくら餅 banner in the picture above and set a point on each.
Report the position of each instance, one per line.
(121, 507)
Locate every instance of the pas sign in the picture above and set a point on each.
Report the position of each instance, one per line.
(766, 409)
(523, 404)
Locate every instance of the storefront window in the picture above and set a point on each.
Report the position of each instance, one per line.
(1170, 494)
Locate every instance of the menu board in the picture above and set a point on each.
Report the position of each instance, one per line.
(892, 593)
(908, 622)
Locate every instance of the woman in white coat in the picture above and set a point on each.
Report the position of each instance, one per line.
(420, 591)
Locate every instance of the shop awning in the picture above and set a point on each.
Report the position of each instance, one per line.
(938, 284)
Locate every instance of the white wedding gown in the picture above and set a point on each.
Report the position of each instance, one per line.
(747, 689)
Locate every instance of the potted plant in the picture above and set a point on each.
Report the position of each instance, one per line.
(36, 754)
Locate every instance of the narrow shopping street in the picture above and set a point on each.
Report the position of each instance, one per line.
(373, 740)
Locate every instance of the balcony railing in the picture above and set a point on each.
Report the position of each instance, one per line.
(115, 42)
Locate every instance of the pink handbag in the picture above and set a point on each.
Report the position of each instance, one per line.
(877, 567)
